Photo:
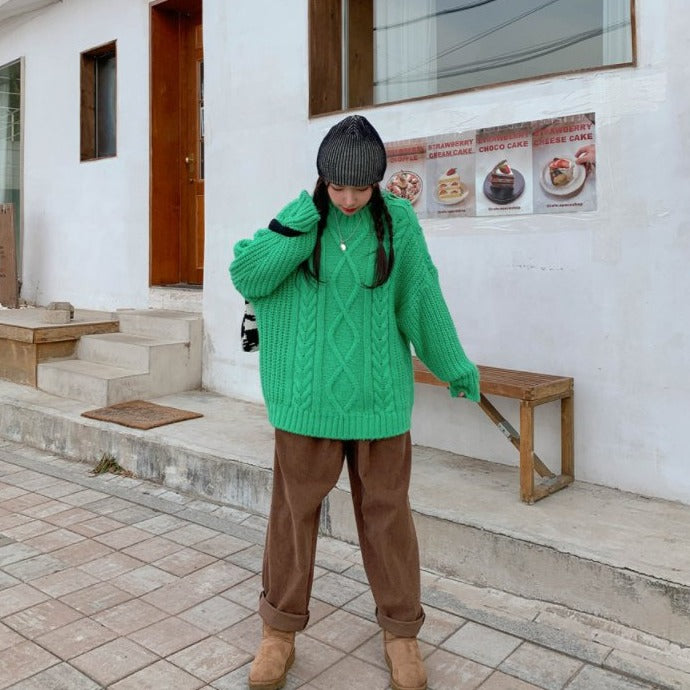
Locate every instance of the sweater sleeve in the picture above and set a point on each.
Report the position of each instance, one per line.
(264, 261)
(423, 316)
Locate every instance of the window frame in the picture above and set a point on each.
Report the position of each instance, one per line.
(327, 91)
(18, 138)
(88, 111)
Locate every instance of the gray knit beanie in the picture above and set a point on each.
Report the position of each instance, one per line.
(352, 153)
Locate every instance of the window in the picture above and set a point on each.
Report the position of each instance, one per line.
(11, 141)
(98, 102)
(366, 52)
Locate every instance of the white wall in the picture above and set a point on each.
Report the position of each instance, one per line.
(600, 296)
(86, 225)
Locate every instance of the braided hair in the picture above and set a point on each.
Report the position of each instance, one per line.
(383, 226)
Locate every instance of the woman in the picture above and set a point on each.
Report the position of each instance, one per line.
(342, 283)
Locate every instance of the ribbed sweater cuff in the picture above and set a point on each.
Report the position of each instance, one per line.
(467, 383)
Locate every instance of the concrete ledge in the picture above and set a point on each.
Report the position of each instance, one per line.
(535, 571)
(592, 549)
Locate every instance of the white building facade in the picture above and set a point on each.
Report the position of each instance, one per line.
(600, 295)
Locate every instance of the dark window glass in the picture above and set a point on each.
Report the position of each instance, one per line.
(105, 106)
(99, 103)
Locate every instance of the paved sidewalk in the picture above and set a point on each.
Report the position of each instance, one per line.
(109, 581)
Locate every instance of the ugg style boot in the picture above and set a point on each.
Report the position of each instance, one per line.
(404, 662)
(273, 660)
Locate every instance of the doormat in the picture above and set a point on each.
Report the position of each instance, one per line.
(140, 414)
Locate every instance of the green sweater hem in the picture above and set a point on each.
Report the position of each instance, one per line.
(345, 427)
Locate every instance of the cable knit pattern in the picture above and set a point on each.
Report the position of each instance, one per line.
(335, 356)
(381, 327)
(303, 379)
(343, 336)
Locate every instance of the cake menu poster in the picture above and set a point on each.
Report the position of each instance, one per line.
(544, 166)
(564, 155)
(504, 171)
(450, 168)
(406, 166)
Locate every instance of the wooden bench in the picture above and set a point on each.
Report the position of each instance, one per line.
(531, 390)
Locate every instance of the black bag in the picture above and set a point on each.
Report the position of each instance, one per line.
(249, 332)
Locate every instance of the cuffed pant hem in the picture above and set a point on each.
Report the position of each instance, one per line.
(287, 622)
(400, 628)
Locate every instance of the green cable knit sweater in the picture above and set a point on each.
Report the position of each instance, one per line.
(335, 357)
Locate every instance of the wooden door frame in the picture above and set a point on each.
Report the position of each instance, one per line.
(169, 248)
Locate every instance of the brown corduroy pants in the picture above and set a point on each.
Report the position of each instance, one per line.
(305, 470)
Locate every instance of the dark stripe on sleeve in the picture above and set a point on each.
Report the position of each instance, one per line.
(282, 229)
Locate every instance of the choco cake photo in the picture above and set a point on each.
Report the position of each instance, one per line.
(503, 184)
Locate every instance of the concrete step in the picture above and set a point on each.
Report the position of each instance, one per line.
(161, 323)
(99, 384)
(128, 350)
(181, 298)
(156, 352)
(592, 549)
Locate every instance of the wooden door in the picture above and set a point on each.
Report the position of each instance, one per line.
(177, 143)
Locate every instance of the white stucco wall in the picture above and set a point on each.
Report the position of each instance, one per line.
(86, 225)
(600, 296)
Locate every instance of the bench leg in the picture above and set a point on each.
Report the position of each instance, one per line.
(526, 452)
(567, 437)
(530, 462)
(513, 436)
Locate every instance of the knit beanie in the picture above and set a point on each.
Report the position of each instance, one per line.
(352, 153)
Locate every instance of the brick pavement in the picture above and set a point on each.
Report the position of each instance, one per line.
(112, 582)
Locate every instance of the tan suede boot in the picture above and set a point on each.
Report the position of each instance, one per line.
(275, 656)
(404, 662)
